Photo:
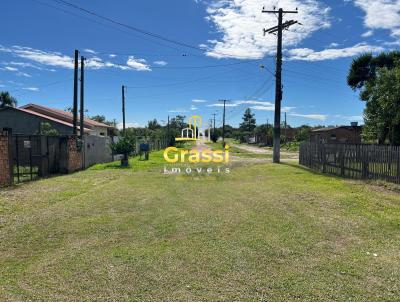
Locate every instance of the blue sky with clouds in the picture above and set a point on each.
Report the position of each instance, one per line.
(228, 57)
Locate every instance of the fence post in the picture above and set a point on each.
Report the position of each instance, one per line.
(44, 154)
(341, 157)
(323, 154)
(365, 161)
(398, 164)
(6, 158)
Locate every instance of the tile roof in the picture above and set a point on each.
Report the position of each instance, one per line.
(45, 117)
(61, 114)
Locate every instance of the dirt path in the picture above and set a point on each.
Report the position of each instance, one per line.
(258, 150)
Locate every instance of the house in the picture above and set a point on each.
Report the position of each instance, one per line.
(28, 120)
(337, 134)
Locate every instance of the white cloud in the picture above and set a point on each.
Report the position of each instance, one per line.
(271, 108)
(57, 59)
(333, 45)
(44, 57)
(258, 105)
(222, 105)
(320, 117)
(177, 111)
(27, 65)
(241, 22)
(367, 34)
(31, 88)
(307, 54)
(252, 102)
(128, 125)
(350, 118)
(23, 74)
(193, 107)
(160, 63)
(381, 14)
(199, 101)
(112, 56)
(91, 51)
(138, 64)
(17, 72)
(10, 68)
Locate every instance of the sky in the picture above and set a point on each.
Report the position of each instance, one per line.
(183, 56)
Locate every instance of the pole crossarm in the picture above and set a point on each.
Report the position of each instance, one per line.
(285, 25)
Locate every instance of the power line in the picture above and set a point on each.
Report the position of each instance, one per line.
(40, 87)
(142, 31)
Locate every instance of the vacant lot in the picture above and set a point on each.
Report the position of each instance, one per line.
(262, 233)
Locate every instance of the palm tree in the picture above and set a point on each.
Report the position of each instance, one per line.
(7, 100)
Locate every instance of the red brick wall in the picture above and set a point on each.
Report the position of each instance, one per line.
(74, 156)
(5, 160)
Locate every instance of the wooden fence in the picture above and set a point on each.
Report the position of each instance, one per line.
(356, 161)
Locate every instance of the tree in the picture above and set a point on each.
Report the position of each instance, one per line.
(47, 129)
(7, 100)
(370, 75)
(249, 122)
(102, 119)
(303, 133)
(99, 118)
(382, 114)
(153, 125)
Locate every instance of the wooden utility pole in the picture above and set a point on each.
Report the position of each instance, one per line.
(123, 109)
(285, 128)
(75, 104)
(168, 134)
(82, 105)
(278, 89)
(214, 114)
(223, 122)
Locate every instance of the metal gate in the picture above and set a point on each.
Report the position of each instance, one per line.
(37, 156)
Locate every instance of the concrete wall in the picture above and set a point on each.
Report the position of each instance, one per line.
(97, 150)
(6, 176)
(24, 123)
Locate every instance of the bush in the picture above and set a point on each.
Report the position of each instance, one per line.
(123, 146)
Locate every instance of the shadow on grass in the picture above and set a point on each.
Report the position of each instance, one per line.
(304, 168)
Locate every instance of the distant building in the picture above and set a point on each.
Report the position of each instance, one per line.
(337, 134)
(28, 120)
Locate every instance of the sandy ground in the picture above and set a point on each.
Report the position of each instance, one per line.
(257, 150)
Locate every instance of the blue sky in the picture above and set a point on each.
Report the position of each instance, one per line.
(39, 37)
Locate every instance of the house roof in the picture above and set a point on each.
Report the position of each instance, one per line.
(61, 114)
(43, 116)
(325, 129)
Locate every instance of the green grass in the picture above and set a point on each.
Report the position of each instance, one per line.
(261, 233)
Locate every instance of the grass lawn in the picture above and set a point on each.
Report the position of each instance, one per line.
(263, 232)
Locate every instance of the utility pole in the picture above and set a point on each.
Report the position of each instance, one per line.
(223, 122)
(168, 134)
(75, 105)
(278, 89)
(285, 128)
(123, 109)
(82, 106)
(214, 114)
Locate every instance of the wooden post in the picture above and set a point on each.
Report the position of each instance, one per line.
(365, 161)
(341, 158)
(323, 154)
